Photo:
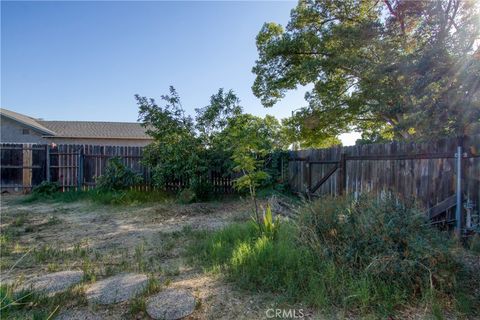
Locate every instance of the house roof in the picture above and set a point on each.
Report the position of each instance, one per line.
(81, 129)
(94, 129)
(26, 120)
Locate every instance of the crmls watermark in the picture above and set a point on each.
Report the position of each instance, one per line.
(284, 314)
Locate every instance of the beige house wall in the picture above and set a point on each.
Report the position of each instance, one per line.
(12, 132)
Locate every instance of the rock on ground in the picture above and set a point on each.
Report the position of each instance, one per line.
(53, 283)
(117, 289)
(171, 304)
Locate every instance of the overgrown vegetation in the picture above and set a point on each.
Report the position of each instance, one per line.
(46, 188)
(117, 176)
(116, 186)
(220, 139)
(367, 256)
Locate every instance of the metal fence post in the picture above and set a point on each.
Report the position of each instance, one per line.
(458, 211)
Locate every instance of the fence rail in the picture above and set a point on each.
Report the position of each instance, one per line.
(425, 172)
(76, 167)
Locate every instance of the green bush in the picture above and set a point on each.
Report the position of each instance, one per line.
(46, 188)
(186, 196)
(202, 188)
(117, 176)
(366, 256)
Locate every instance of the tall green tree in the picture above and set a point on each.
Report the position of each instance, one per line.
(301, 134)
(220, 137)
(214, 118)
(211, 122)
(391, 68)
(251, 140)
(177, 152)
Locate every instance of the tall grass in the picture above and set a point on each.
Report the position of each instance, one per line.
(27, 304)
(368, 257)
(257, 261)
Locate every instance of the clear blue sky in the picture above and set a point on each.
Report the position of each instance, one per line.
(86, 60)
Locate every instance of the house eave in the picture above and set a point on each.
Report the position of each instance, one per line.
(46, 132)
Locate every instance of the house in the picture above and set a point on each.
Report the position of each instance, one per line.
(20, 128)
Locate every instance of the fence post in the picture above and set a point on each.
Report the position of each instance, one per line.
(27, 167)
(47, 160)
(343, 173)
(458, 211)
(80, 170)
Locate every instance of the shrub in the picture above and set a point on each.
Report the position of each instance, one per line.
(117, 176)
(46, 188)
(186, 196)
(202, 188)
(383, 245)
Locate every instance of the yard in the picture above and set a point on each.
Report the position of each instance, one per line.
(105, 240)
(359, 201)
(155, 240)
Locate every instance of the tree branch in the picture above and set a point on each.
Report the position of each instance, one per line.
(396, 15)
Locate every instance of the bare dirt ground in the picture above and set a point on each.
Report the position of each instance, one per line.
(106, 240)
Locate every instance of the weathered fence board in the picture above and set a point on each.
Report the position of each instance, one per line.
(423, 171)
(76, 167)
(22, 166)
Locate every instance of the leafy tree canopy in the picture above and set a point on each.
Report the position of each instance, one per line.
(176, 151)
(214, 117)
(391, 68)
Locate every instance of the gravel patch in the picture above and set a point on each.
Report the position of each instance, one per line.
(171, 304)
(117, 289)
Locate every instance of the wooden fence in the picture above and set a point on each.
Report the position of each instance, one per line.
(75, 167)
(422, 171)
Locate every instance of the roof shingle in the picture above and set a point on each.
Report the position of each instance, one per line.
(94, 129)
